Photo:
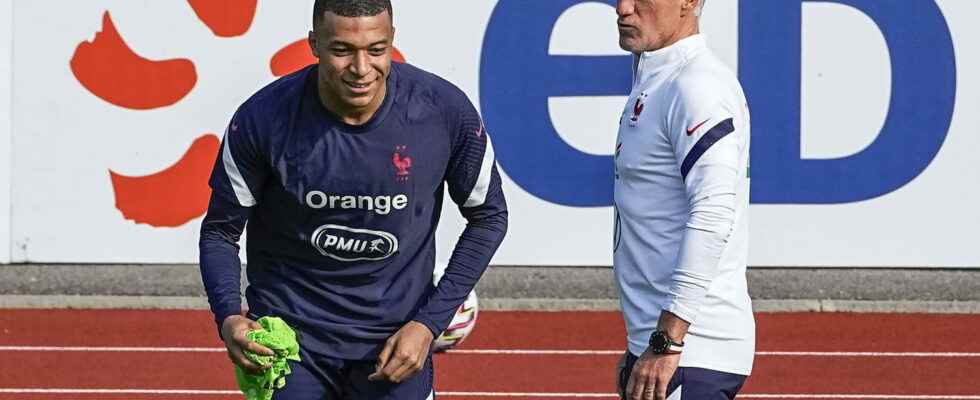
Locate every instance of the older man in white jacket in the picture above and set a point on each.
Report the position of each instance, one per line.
(681, 195)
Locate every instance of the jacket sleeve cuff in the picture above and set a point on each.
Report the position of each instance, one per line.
(685, 310)
(222, 311)
(431, 325)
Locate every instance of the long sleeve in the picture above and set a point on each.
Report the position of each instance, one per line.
(220, 264)
(474, 185)
(237, 178)
(708, 150)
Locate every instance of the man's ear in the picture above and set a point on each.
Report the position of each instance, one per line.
(690, 7)
(311, 39)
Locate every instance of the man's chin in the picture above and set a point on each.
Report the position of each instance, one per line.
(628, 44)
(357, 102)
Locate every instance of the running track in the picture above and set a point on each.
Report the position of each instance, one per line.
(128, 354)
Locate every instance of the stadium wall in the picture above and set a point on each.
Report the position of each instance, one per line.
(864, 122)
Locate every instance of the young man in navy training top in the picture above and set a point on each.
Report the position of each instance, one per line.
(339, 170)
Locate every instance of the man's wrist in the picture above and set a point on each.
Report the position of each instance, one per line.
(662, 343)
(428, 324)
(222, 314)
(675, 326)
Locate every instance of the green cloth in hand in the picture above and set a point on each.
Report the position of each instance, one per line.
(281, 339)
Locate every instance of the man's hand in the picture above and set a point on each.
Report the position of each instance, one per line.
(404, 353)
(233, 330)
(652, 372)
(651, 375)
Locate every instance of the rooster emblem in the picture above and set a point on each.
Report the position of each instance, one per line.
(402, 163)
(637, 108)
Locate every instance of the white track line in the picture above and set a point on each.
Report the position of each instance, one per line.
(120, 391)
(759, 353)
(496, 351)
(503, 394)
(865, 354)
(538, 352)
(116, 349)
(860, 396)
(524, 394)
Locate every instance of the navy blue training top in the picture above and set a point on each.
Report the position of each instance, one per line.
(342, 218)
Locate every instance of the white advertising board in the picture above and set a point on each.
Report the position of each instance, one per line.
(6, 43)
(864, 129)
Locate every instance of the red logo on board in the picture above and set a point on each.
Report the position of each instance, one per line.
(111, 70)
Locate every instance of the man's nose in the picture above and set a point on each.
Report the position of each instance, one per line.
(361, 64)
(624, 7)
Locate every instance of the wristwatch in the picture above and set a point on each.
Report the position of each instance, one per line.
(660, 343)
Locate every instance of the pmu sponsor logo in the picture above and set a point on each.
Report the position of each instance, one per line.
(379, 204)
(352, 244)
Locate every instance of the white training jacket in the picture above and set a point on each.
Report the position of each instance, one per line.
(682, 196)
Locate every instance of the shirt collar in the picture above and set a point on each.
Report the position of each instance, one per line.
(650, 62)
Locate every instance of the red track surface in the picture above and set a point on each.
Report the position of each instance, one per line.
(778, 374)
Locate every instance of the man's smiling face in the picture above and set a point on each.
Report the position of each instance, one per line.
(355, 60)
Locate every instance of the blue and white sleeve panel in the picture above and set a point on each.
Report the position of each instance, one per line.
(240, 171)
(235, 179)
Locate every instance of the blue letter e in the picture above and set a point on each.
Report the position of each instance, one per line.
(517, 76)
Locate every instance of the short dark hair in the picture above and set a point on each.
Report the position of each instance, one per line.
(349, 8)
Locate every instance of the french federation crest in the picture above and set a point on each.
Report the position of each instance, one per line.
(638, 106)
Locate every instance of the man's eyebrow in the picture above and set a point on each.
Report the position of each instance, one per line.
(347, 44)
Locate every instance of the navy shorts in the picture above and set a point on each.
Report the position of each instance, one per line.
(694, 383)
(320, 377)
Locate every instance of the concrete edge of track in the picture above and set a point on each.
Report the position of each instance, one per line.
(525, 304)
(787, 289)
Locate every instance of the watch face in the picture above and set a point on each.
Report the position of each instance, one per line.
(659, 343)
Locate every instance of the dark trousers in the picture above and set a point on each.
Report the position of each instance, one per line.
(694, 383)
(320, 377)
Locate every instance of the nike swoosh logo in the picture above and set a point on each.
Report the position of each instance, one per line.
(691, 131)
